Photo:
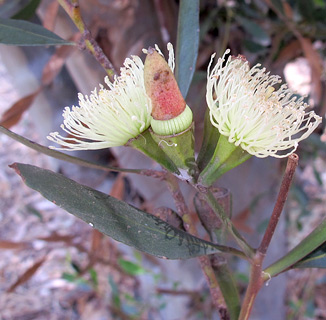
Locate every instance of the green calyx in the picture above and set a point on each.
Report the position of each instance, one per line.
(145, 144)
(173, 126)
(210, 140)
(226, 157)
(180, 149)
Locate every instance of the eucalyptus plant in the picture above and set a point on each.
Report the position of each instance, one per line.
(248, 113)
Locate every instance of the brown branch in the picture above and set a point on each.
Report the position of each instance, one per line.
(255, 283)
(204, 261)
(72, 8)
(256, 275)
(281, 198)
(153, 173)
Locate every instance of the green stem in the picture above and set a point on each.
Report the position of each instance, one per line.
(78, 161)
(73, 10)
(309, 244)
(226, 157)
(212, 223)
(227, 285)
(219, 211)
(179, 148)
(210, 140)
(146, 144)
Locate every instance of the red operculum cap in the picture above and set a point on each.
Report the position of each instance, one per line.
(241, 58)
(162, 88)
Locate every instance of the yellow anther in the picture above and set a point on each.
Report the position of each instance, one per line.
(269, 92)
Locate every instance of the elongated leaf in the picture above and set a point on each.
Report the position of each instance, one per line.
(210, 139)
(24, 33)
(26, 275)
(62, 156)
(12, 116)
(255, 30)
(28, 11)
(131, 268)
(316, 259)
(187, 43)
(4, 244)
(306, 9)
(8, 8)
(227, 286)
(278, 4)
(115, 218)
(315, 240)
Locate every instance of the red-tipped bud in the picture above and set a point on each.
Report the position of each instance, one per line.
(162, 88)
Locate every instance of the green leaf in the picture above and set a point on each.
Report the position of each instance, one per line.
(187, 43)
(115, 292)
(131, 268)
(210, 139)
(69, 276)
(114, 287)
(7, 8)
(317, 176)
(28, 11)
(316, 259)
(319, 3)
(60, 155)
(92, 272)
(314, 141)
(34, 212)
(255, 30)
(75, 266)
(145, 144)
(252, 46)
(315, 240)
(306, 9)
(228, 287)
(116, 218)
(226, 157)
(279, 5)
(24, 33)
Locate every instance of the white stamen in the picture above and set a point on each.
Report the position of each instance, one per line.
(171, 56)
(108, 118)
(245, 107)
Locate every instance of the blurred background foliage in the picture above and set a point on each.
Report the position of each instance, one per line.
(274, 33)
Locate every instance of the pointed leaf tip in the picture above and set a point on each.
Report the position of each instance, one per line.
(25, 33)
(116, 218)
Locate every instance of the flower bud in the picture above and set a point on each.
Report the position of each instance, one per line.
(171, 124)
(162, 88)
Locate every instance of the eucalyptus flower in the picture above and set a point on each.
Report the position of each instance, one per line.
(170, 113)
(247, 109)
(109, 117)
